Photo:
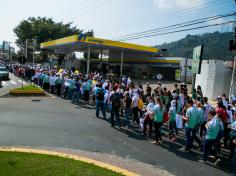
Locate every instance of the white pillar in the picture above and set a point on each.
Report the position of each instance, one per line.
(88, 59)
(121, 63)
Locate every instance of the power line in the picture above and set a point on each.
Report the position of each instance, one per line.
(78, 4)
(82, 7)
(180, 25)
(140, 23)
(141, 20)
(177, 31)
(97, 5)
(167, 11)
(181, 12)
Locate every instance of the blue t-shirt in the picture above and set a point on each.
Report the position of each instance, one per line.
(213, 129)
(233, 125)
(159, 113)
(97, 91)
(192, 114)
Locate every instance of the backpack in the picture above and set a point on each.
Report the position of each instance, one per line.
(100, 95)
(116, 101)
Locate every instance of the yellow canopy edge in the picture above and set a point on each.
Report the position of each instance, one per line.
(98, 41)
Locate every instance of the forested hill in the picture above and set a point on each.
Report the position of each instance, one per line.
(215, 46)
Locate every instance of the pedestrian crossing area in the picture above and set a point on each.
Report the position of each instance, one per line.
(13, 82)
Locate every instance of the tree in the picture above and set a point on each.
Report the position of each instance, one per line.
(42, 30)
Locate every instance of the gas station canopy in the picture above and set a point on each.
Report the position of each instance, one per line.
(114, 49)
(80, 43)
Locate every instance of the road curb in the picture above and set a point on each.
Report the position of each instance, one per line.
(70, 156)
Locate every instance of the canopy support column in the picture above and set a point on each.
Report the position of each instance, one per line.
(122, 62)
(88, 59)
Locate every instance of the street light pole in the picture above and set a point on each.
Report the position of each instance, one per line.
(186, 63)
(26, 53)
(33, 56)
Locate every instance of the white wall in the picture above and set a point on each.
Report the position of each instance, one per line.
(183, 68)
(214, 79)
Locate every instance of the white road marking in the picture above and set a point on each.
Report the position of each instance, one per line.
(20, 81)
(13, 82)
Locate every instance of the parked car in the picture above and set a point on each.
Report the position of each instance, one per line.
(4, 74)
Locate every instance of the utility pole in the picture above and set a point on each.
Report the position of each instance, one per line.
(9, 52)
(186, 62)
(26, 53)
(26, 49)
(233, 79)
(3, 48)
(232, 85)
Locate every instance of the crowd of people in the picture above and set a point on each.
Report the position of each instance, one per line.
(211, 127)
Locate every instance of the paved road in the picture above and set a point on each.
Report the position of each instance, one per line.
(53, 122)
(14, 82)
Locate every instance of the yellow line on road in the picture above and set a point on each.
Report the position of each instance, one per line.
(70, 156)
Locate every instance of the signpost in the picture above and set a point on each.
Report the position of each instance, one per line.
(196, 63)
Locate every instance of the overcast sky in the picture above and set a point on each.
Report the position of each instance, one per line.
(113, 18)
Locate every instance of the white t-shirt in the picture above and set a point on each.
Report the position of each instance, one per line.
(207, 110)
(129, 81)
(52, 80)
(135, 100)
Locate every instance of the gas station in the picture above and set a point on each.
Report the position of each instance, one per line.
(115, 50)
(122, 58)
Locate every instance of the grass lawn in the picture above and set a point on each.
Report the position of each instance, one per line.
(29, 87)
(27, 164)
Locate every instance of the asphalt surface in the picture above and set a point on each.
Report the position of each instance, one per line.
(14, 82)
(54, 122)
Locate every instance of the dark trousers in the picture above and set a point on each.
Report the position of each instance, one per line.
(189, 141)
(208, 144)
(226, 134)
(100, 106)
(172, 129)
(148, 121)
(52, 89)
(115, 112)
(203, 128)
(36, 81)
(234, 164)
(86, 95)
(157, 126)
(58, 87)
(46, 86)
(66, 92)
(41, 83)
(232, 147)
(135, 114)
(194, 135)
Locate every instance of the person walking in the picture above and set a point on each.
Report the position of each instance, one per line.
(115, 107)
(77, 93)
(190, 124)
(99, 100)
(213, 129)
(158, 120)
(172, 121)
(52, 80)
(207, 107)
(134, 104)
(128, 110)
(86, 89)
(148, 116)
(58, 84)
